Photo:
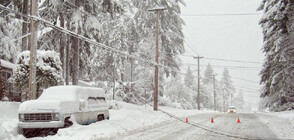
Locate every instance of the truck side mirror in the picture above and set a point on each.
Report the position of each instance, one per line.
(82, 104)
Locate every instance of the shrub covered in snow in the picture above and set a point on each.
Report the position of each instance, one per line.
(49, 71)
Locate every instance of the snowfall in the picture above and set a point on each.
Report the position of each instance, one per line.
(130, 118)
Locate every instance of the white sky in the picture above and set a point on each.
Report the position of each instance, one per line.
(226, 37)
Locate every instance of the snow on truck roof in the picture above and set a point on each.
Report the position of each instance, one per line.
(71, 93)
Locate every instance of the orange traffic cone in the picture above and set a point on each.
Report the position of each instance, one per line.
(187, 120)
(211, 120)
(238, 121)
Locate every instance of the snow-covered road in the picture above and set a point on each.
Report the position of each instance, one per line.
(225, 127)
(130, 121)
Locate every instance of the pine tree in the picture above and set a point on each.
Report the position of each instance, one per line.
(239, 103)
(227, 89)
(48, 66)
(207, 79)
(189, 78)
(277, 73)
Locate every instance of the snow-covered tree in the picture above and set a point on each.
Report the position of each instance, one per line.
(277, 76)
(49, 71)
(178, 93)
(227, 89)
(10, 32)
(189, 78)
(207, 79)
(171, 35)
(239, 101)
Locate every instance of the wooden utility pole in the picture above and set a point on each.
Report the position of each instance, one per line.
(155, 106)
(33, 50)
(198, 95)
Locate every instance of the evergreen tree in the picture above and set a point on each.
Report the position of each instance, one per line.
(207, 79)
(171, 35)
(49, 71)
(227, 89)
(189, 78)
(10, 32)
(239, 101)
(277, 73)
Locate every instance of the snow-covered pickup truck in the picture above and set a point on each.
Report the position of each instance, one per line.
(54, 108)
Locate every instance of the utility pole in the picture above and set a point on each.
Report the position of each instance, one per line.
(214, 94)
(33, 50)
(157, 10)
(198, 95)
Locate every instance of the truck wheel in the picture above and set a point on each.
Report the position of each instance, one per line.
(67, 122)
(100, 117)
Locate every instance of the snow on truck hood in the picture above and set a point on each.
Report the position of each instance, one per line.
(38, 106)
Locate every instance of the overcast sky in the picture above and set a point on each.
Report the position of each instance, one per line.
(237, 37)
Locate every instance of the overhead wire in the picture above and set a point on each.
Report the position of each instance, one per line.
(241, 61)
(230, 14)
(91, 41)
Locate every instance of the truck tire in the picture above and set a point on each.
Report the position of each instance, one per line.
(100, 117)
(67, 122)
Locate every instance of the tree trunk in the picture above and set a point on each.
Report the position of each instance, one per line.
(25, 26)
(122, 70)
(33, 48)
(62, 44)
(75, 47)
(67, 69)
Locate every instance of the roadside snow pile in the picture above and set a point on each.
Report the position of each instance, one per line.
(8, 119)
(124, 118)
(282, 123)
(285, 115)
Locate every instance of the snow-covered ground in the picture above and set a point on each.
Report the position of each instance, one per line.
(128, 118)
(124, 118)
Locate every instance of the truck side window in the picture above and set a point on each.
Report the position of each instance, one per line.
(91, 100)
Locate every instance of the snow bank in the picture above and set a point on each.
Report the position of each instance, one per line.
(282, 123)
(124, 118)
(8, 119)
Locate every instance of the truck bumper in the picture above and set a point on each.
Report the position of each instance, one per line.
(52, 124)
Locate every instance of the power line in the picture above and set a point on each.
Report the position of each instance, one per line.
(213, 15)
(87, 39)
(191, 47)
(255, 90)
(244, 79)
(225, 66)
(231, 60)
(241, 61)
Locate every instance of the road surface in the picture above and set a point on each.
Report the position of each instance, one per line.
(225, 127)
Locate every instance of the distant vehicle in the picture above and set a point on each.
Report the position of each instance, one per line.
(54, 108)
(232, 109)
